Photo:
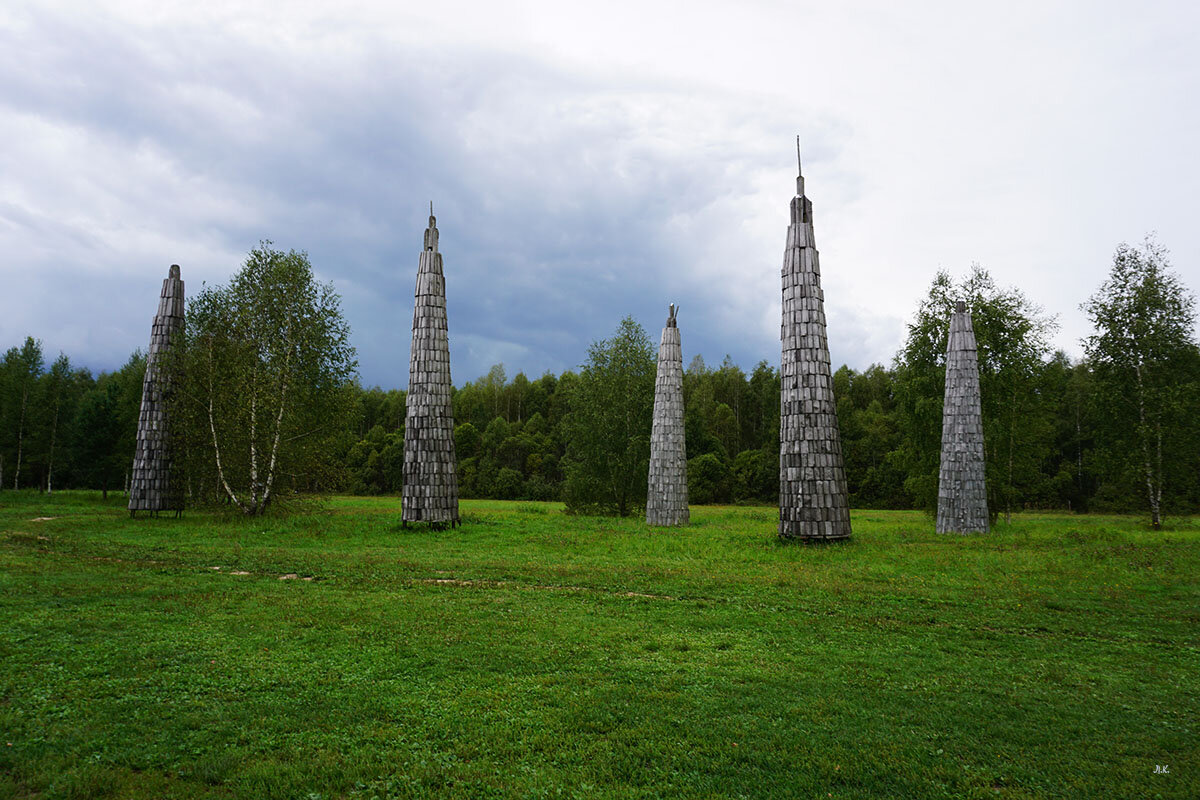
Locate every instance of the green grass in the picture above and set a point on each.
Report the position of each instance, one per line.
(533, 654)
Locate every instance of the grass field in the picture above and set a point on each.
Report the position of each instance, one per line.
(531, 654)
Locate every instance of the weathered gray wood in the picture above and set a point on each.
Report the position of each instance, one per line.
(666, 496)
(151, 484)
(962, 486)
(430, 492)
(813, 504)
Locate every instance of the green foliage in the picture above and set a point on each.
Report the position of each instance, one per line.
(19, 374)
(608, 428)
(508, 484)
(380, 407)
(58, 396)
(1012, 335)
(264, 371)
(495, 434)
(105, 426)
(537, 654)
(1146, 380)
(98, 441)
(1068, 390)
(467, 441)
(37, 414)
(709, 480)
(755, 476)
(866, 408)
(376, 462)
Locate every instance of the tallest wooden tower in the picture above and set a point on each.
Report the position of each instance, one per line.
(812, 478)
(430, 491)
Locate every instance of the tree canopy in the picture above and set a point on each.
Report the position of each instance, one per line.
(608, 427)
(1146, 375)
(264, 374)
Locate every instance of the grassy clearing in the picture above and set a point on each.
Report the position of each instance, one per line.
(532, 654)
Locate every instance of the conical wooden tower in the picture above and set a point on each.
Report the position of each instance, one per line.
(430, 479)
(151, 485)
(962, 485)
(666, 497)
(812, 478)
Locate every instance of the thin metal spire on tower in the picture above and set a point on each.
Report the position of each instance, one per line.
(799, 170)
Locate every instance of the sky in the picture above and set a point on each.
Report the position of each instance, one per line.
(586, 162)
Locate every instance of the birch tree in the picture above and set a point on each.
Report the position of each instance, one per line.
(1143, 356)
(264, 371)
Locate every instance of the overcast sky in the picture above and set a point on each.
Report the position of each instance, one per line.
(586, 161)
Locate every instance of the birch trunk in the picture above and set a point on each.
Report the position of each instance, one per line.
(1012, 425)
(212, 427)
(1078, 451)
(254, 448)
(50, 460)
(283, 391)
(20, 436)
(275, 444)
(1158, 442)
(1153, 491)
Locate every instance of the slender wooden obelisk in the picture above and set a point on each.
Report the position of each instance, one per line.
(666, 496)
(962, 484)
(812, 477)
(152, 486)
(430, 479)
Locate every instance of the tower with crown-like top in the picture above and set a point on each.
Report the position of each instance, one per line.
(813, 504)
(667, 497)
(430, 492)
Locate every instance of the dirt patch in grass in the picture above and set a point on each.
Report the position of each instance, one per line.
(538, 586)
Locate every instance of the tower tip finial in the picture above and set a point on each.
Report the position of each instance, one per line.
(960, 306)
(431, 232)
(799, 170)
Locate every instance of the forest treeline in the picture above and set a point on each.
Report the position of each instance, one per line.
(1118, 430)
